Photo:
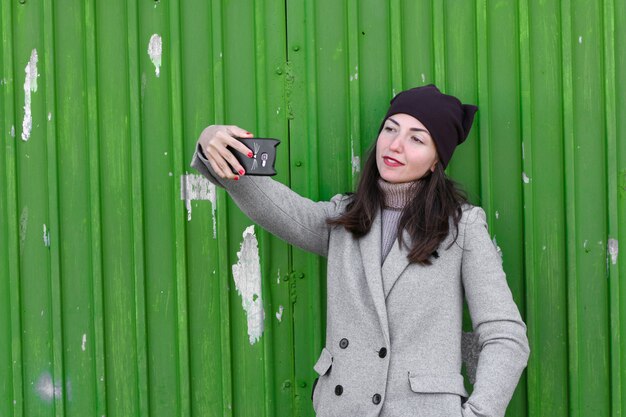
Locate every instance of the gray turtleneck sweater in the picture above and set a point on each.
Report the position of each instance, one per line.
(395, 197)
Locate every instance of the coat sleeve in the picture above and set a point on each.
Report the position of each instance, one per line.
(279, 210)
(495, 319)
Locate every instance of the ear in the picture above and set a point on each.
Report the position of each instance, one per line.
(432, 168)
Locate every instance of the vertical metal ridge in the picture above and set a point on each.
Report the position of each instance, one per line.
(179, 226)
(570, 207)
(439, 40)
(395, 46)
(94, 202)
(612, 205)
(137, 207)
(12, 216)
(222, 215)
(179, 222)
(260, 80)
(311, 99)
(260, 64)
(528, 200)
(53, 211)
(484, 119)
(354, 98)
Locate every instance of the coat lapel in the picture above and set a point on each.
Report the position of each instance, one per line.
(371, 255)
(395, 263)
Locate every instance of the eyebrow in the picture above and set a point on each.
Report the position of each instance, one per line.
(414, 129)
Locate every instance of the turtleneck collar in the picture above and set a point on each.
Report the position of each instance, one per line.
(395, 196)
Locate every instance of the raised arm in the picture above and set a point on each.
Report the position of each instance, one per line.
(496, 320)
(295, 219)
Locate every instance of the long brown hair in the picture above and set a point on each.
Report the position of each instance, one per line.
(434, 199)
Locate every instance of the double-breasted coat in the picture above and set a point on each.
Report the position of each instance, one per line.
(393, 335)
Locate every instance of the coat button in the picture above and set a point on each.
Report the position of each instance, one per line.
(376, 399)
(343, 343)
(382, 353)
(338, 390)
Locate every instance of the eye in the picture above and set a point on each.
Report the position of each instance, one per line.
(388, 129)
(417, 139)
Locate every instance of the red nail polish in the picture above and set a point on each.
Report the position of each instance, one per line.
(241, 172)
(250, 155)
(236, 178)
(248, 133)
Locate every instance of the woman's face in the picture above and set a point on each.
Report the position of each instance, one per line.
(405, 151)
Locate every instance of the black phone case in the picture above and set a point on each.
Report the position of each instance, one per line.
(263, 156)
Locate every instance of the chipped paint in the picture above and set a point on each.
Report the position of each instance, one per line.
(497, 215)
(12, 131)
(155, 49)
(46, 236)
(580, 39)
(23, 228)
(423, 77)
(49, 116)
(46, 389)
(83, 345)
(355, 76)
(279, 314)
(495, 244)
(355, 159)
(525, 178)
(612, 250)
(247, 277)
(30, 85)
(196, 187)
(278, 277)
(523, 152)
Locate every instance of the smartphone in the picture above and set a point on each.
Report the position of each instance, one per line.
(263, 156)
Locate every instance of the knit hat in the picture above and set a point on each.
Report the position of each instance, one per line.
(447, 120)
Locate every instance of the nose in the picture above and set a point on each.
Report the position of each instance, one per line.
(396, 144)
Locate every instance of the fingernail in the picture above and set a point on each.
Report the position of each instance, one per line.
(241, 172)
(236, 178)
(250, 155)
(248, 133)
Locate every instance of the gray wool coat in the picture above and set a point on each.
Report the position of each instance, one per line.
(393, 335)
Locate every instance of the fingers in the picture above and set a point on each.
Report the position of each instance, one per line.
(236, 131)
(214, 141)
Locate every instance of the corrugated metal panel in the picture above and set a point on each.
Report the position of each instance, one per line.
(117, 295)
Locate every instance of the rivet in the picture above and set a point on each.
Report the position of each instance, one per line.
(296, 48)
(22, 1)
(298, 164)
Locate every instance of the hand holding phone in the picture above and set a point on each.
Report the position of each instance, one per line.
(263, 156)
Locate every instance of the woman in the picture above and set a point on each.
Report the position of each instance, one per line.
(402, 253)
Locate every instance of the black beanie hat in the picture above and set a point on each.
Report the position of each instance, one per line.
(447, 120)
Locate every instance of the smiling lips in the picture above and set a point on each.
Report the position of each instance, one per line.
(389, 161)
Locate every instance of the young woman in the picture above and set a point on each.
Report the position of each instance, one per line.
(402, 253)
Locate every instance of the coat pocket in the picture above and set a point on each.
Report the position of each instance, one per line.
(322, 367)
(324, 362)
(438, 384)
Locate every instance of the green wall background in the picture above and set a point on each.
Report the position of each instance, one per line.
(116, 294)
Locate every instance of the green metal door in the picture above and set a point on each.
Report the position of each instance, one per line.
(131, 287)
